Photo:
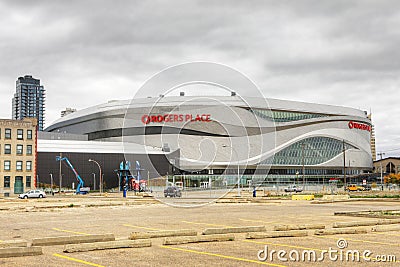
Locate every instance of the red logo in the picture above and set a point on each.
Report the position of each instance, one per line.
(360, 126)
(146, 119)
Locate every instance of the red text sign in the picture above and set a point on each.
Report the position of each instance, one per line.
(360, 126)
(146, 119)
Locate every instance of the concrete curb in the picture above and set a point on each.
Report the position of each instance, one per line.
(283, 227)
(13, 243)
(227, 230)
(107, 245)
(166, 233)
(75, 239)
(366, 223)
(355, 223)
(386, 228)
(261, 235)
(340, 231)
(197, 239)
(20, 252)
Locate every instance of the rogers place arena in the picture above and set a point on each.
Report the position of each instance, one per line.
(208, 139)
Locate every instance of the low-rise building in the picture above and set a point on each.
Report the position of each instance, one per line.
(18, 151)
(387, 165)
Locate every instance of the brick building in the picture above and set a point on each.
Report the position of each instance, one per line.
(18, 151)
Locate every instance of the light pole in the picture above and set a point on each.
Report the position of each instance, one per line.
(302, 162)
(94, 181)
(101, 177)
(51, 181)
(381, 154)
(238, 174)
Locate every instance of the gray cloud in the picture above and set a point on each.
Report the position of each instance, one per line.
(87, 52)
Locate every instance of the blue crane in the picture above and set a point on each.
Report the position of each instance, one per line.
(80, 184)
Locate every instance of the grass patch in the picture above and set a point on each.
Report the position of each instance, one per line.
(374, 196)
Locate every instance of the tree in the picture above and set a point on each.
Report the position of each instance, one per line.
(392, 179)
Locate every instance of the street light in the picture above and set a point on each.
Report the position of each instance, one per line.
(380, 162)
(94, 181)
(101, 177)
(238, 174)
(51, 181)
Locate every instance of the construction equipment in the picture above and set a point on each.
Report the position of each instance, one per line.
(79, 189)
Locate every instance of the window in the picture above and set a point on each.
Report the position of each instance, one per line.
(28, 181)
(7, 165)
(29, 134)
(29, 165)
(29, 149)
(20, 134)
(7, 149)
(7, 181)
(7, 134)
(19, 165)
(20, 149)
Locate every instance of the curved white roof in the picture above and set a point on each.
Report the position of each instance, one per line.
(118, 107)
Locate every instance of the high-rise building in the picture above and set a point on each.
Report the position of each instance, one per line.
(373, 146)
(28, 100)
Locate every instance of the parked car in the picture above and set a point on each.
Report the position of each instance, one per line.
(172, 191)
(33, 194)
(354, 187)
(367, 187)
(293, 188)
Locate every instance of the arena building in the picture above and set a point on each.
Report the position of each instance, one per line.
(203, 137)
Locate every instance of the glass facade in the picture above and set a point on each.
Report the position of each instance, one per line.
(29, 100)
(284, 116)
(310, 151)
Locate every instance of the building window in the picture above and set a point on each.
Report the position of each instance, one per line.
(29, 134)
(20, 134)
(28, 181)
(20, 149)
(7, 149)
(29, 149)
(7, 165)
(19, 165)
(29, 165)
(7, 181)
(7, 134)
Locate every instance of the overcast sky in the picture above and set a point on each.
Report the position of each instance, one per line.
(88, 52)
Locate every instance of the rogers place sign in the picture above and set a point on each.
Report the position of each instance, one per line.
(360, 126)
(146, 119)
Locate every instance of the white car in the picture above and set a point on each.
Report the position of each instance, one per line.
(33, 194)
(293, 188)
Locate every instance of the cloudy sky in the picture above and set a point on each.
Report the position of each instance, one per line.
(88, 52)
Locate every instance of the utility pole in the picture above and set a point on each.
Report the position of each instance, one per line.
(302, 162)
(59, 192)
(381, 155)
(344, 165)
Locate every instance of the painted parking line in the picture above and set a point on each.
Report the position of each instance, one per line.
(385, 233)
(260, 221)
(208, 224)
(281, 245)
(221, 256)
(77, 260)
(141, 227)
(358, 240)
(299, 247)
(68, 231)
